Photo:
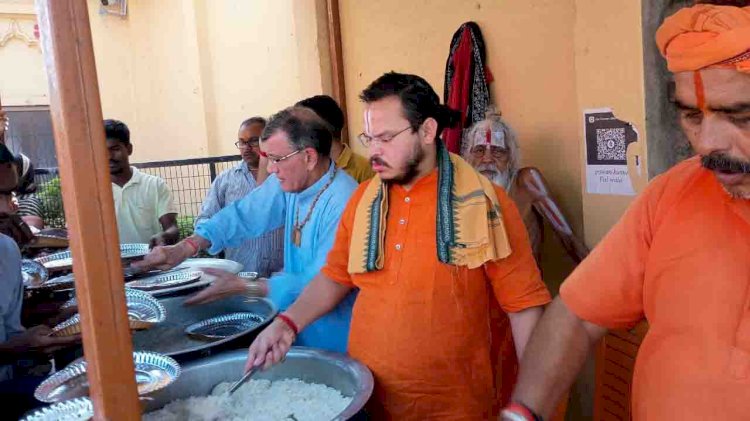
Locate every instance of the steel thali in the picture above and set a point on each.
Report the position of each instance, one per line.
(152, 372)
(78, 409)
(144, 311)
(64, 260)
(225, 326)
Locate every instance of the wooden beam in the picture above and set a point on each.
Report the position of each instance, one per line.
(89, 208)
(337, 60)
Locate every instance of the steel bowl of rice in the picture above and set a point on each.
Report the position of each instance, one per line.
(309, 385)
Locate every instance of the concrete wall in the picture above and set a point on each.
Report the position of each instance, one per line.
(184, 73)
(609, 73)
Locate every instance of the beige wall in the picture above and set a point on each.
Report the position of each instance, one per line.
(531, 52)
(22, 78)
(609, 73)
(184, 73)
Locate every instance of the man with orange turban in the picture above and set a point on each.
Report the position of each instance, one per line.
(679, 257)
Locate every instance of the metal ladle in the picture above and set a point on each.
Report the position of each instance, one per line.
(243, 380)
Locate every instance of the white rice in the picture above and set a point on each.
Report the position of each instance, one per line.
(258, 400)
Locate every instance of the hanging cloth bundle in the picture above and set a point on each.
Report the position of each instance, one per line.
(466, 82)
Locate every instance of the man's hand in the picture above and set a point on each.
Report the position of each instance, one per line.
(164, 257)
(225, 285)
(37, 339)
(271, 346)
(157, 240)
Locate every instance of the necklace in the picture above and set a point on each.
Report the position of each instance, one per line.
(297, 231)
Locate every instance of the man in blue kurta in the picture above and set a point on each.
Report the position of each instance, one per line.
(306, 194)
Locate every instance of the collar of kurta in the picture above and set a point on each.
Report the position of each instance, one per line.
(470, 229)
(311, 191)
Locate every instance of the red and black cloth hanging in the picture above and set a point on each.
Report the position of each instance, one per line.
(467, 82)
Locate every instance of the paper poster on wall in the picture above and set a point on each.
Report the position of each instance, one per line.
(607, 140)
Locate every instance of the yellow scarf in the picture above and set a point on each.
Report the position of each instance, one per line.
(470, 229)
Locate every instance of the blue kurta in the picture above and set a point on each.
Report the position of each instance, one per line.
(267, 208)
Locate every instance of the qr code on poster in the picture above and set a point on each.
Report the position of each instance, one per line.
(610, 144)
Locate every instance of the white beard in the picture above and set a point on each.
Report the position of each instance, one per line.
(501, 178)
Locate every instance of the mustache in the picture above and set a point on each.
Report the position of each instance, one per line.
(724, 163)
(487, 167)
(379, 161)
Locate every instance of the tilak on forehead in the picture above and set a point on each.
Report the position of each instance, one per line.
(704, 36)
(367, 122)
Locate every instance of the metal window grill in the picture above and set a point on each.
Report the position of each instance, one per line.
(189, 180)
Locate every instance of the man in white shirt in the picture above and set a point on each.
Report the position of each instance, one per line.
(146, 212)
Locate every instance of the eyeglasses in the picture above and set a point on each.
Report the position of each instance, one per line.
(366, 140)
(251, 143)
(497, 152)
(276, 160)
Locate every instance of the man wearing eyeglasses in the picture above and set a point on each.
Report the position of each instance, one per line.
(429, 243)
(265, 254)
(306, 195)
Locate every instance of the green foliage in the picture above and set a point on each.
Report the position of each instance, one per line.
(50, 194)
(185, 224)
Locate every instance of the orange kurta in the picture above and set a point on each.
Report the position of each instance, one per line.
(680, 258)
(423, 327)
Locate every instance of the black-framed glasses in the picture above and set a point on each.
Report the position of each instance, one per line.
(276, 160)
(251, 143)
(366, 140)
(497, 152)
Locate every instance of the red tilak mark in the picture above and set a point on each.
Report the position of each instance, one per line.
(488, 136)
(700, 94)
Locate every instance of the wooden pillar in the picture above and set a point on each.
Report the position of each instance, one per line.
(89, 209)
(337, 60)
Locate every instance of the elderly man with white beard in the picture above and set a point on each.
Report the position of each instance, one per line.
(490, 146)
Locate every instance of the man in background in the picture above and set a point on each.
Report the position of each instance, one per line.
(491, 147)
(327, 109)
(355, 165)
(144, 207)
(264, 254)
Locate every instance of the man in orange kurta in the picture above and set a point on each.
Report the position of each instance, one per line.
(679, 257)
(421, 325)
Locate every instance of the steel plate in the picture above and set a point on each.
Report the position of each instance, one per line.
(34, 273)
(144, 310)
(222, 327)
(79, 409)
(168, 280)
(59, 283)
(152, 372)
(248, 275)
(169, 337)
(63, 260)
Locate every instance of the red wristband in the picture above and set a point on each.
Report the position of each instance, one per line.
(289, 322)
(192, 244)
(521, 411)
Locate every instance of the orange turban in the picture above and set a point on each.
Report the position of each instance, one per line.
(706, 35)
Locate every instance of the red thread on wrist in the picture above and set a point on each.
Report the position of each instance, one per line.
(522, 410)
(289, 322)
(192, 243)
